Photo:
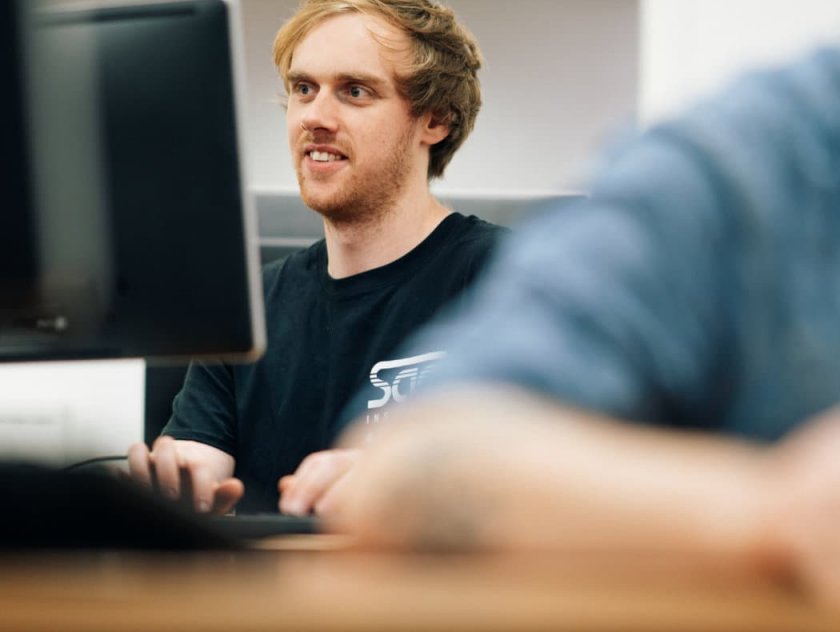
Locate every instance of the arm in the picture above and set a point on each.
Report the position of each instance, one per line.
(505, 471)
(189, 470)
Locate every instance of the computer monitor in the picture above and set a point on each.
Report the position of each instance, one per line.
(126, 230)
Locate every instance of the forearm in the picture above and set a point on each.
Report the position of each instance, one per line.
(514, 472)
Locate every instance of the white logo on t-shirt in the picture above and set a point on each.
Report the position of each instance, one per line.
(398, 378)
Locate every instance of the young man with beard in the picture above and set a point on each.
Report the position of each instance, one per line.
(381, 93)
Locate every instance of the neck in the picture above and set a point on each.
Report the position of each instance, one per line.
(355, 248)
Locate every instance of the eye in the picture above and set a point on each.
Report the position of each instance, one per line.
(303, 89)
(358, 92)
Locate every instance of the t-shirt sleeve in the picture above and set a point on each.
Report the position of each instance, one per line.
(205, 408)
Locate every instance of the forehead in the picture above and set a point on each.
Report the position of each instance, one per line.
(351, 43)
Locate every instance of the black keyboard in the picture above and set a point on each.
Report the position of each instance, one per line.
(262, 525)
(49, 508)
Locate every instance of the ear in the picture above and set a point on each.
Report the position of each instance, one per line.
(433, 129)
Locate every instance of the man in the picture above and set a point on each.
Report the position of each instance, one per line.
(381, 93)
(696, 293)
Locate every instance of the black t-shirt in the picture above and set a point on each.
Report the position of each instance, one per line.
(328, 340)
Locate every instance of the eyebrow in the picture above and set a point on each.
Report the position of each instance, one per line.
(373, 81)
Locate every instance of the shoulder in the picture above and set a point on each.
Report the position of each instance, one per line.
(305, 263)
(462, 247)
(475, 233)
(473, 227)
(771, 129)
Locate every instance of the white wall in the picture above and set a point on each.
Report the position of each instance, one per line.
(691, 47)
(560, 77)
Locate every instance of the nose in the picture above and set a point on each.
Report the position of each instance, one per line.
(321, 113)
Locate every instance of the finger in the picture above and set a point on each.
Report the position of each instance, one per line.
(203, 488)
(284, 487)
(167, 468)
(286, 483)
(138, 464)
(227, 494)
(311, 484)
(294, 498)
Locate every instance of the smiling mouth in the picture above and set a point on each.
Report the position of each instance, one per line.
(323, 156)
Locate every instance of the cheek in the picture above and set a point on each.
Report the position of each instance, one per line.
(293, 128)
(387, 136)
(292, 131)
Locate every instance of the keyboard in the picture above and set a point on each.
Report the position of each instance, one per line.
(262, 525)
(50, 508)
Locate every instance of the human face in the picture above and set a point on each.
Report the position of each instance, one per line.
(355, 146)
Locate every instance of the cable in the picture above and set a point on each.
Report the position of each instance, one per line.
(94, 460)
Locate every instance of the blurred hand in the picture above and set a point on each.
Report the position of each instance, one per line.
(197, 474)
(317, 483)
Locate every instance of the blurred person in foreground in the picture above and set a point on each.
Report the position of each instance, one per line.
(653, 370)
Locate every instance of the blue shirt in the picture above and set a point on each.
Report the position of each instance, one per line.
(698, 286)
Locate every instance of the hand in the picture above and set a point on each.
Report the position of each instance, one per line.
(195, 473)
(317, 483)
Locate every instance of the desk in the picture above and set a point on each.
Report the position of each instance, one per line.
(303, 588)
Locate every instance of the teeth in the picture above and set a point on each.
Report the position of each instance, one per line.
(322, 156)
